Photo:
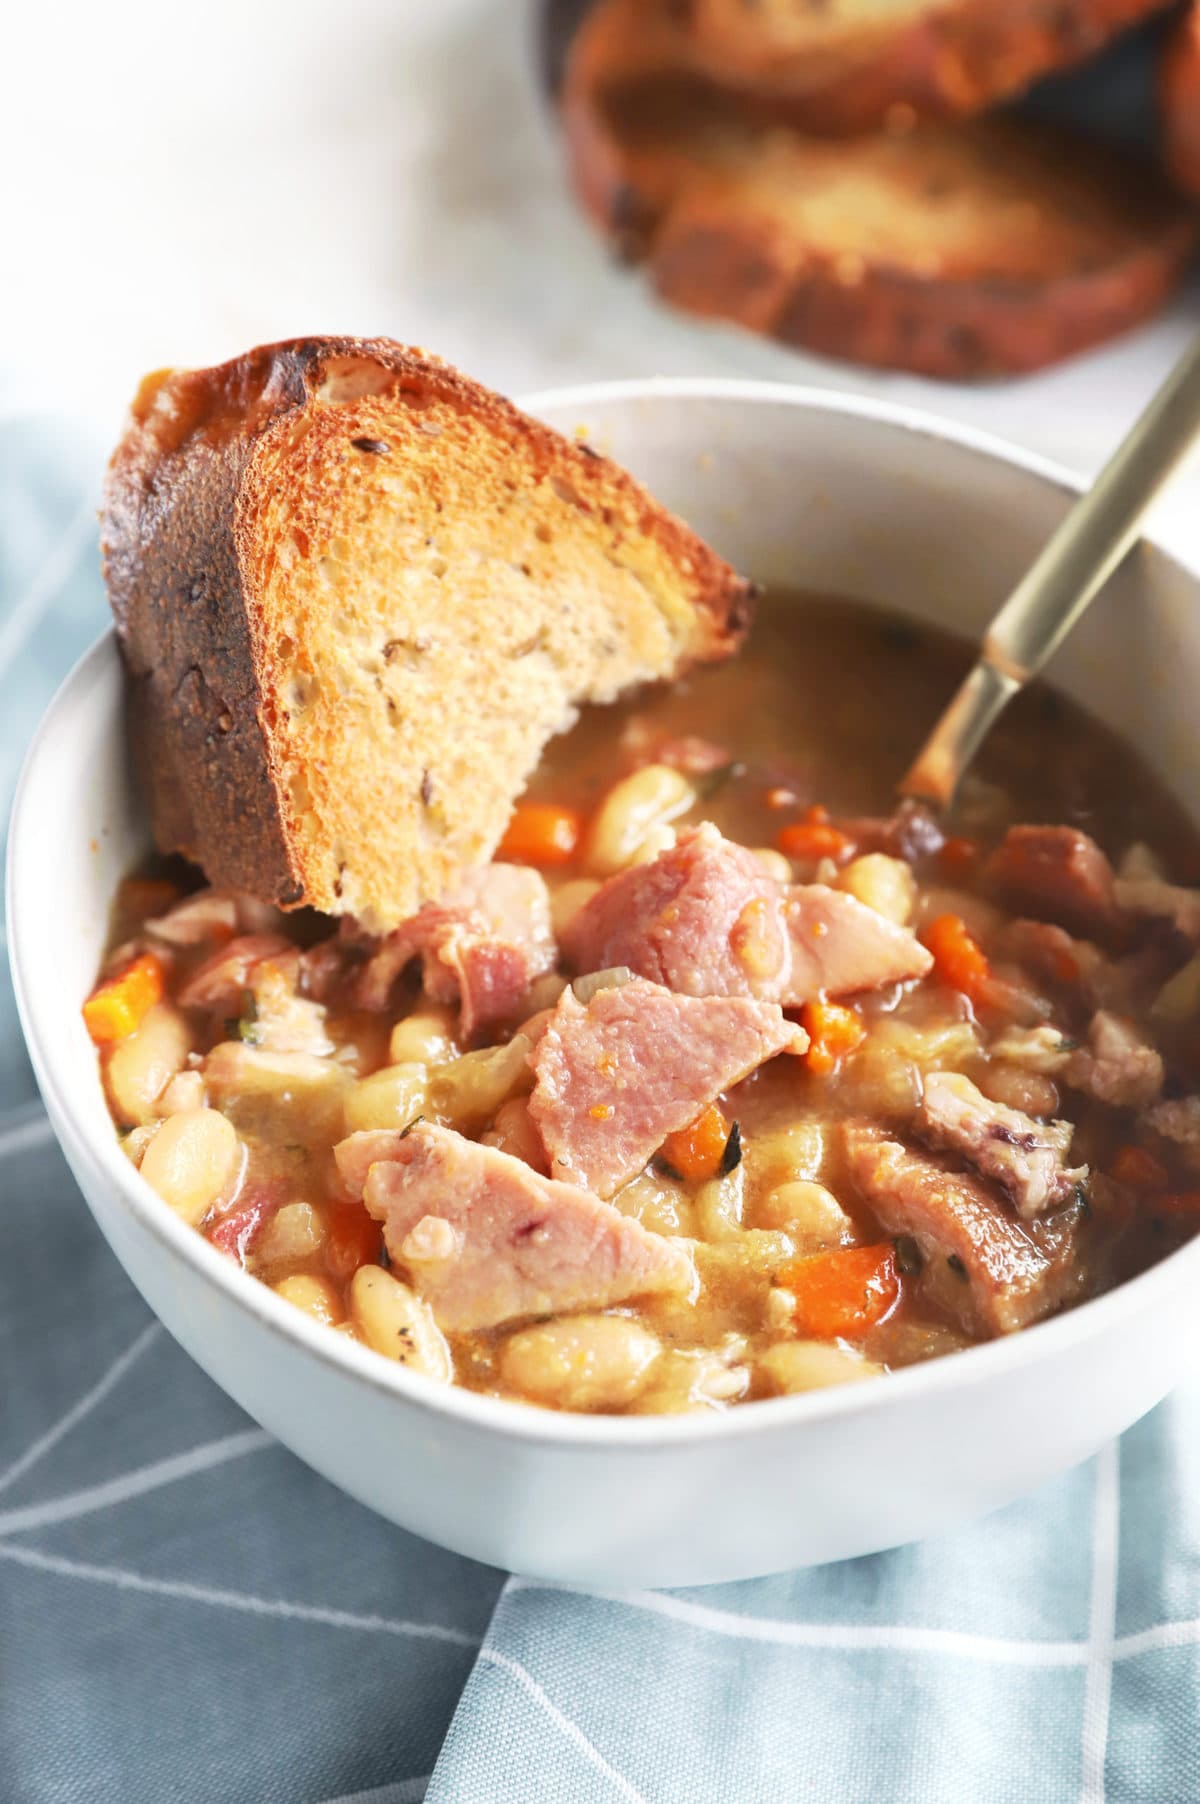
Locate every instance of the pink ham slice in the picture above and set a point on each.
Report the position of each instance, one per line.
(1026, 1157)
(1058, 872)
(614, 1078)
(486, 1240)
(705, 919)
(482, 946)
(994, 1273)
(221, 982)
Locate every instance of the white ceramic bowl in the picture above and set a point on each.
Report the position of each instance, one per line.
(795, 487)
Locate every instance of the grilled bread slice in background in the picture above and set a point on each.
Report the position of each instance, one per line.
(356, 593)
(956, 250)
(1179, 100)
(853, 65)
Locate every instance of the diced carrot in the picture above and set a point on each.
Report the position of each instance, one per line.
(541, 833)
(816, 814)
(958, 855)
(834, 1032)
(696, 1151)
(115, 1009)
(1176, 1202)
(353, 1240)
(810, 840)
(1134, 1166)
(141, 898)
(843, 1292)
(958, 959)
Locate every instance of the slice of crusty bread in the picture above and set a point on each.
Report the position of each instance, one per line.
(853, 65)
(1179, 100)
(958, 251)
(356, 593)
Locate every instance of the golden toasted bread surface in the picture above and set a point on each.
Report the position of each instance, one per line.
(955, 250)
(356, 593)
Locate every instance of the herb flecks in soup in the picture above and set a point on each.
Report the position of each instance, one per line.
(727, 1078)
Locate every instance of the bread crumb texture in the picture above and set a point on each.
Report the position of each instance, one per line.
(357, 593)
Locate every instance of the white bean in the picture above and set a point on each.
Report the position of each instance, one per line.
(649, 798)
(467, 1092)
(426, 1037)
(811, 1365)
(695, 1382)
(394, 1321)
(141, 1065)
(316, 1297)
(390, 1098)
(294, 1233)
(789, 1153)
(580, 1362)
(718, 1205)
(184, 1091)
(190, 1160)
(885, 884)
(808, 1211)
(513, 1132)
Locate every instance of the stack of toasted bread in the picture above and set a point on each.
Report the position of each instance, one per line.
(822, 171)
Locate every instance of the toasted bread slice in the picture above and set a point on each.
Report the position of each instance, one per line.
(1179, 100)
(356, 593)
(981, 248)
(853, 65)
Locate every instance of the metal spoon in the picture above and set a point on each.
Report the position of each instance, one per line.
(1078, 560)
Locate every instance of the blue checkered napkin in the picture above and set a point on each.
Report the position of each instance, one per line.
(187, 1613)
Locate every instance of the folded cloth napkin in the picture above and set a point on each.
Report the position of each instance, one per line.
(188, 1613)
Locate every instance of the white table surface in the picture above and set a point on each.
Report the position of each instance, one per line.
(181, 182)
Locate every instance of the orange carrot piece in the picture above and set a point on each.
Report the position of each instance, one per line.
(958, 959)
(541, 833)
(834, 1032)
(1134, 1166)
(811, 840)
(115, 1009)
(843, 1292)
(696, 1151)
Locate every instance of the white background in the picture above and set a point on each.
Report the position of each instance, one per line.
(183, 180)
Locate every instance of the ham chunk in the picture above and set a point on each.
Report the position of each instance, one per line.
(839, 946)
(486, 1240)
(1168, 902)
(1179, 1122)
(482, 946)
(1117, 1066)
(1058, 872)
(614, 1078)
(706, 919)
(995, 1274)
(1026, 1157)
(221, 982)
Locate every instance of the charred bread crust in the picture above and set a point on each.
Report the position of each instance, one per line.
(668, 165)
(183, 570)
(1179, 101)
(720, 262)
(943, 61)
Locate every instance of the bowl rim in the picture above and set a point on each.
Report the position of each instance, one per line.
(507, 1418)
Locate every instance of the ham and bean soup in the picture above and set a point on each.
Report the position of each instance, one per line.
(728, 1078)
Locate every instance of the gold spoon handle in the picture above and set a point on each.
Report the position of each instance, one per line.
(1074, 565)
